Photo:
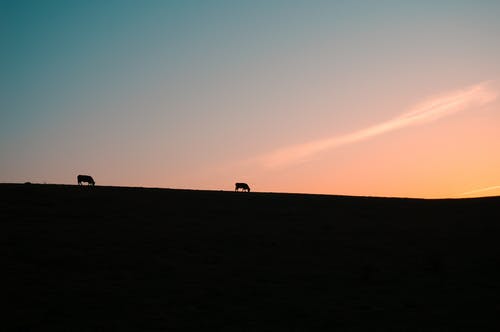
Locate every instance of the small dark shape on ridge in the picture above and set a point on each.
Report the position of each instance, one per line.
(85, 179)
(241, 185)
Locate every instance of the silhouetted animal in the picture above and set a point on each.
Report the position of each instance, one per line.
(85, 178)
(242, 186)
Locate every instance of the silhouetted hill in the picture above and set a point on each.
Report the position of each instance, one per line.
(136, 259)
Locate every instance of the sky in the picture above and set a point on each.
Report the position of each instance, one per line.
(366, 98)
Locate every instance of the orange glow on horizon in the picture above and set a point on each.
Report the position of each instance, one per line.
(488, 191)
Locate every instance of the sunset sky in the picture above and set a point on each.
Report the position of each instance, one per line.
(372, 98)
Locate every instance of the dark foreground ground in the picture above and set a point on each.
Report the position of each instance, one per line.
(131, 259)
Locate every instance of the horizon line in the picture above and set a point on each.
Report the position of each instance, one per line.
(457, 197)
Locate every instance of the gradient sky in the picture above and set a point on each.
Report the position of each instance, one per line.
(378, 98)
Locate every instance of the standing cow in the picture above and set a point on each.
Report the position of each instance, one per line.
(85, 179)
(242, 186)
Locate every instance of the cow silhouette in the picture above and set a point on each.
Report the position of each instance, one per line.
(85, 179)
(242, 186)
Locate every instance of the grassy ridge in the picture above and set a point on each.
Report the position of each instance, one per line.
(111, 258)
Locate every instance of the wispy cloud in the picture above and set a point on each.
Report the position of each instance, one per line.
(477, 192)
(427, 111)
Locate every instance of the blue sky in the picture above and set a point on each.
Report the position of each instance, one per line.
(188, 86)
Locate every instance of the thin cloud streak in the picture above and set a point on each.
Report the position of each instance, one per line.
(427, 111)
(477, 191)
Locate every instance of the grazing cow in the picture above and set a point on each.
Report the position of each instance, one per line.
(242, 186)
(85, 178)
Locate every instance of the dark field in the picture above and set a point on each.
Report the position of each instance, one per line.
(132, 259)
